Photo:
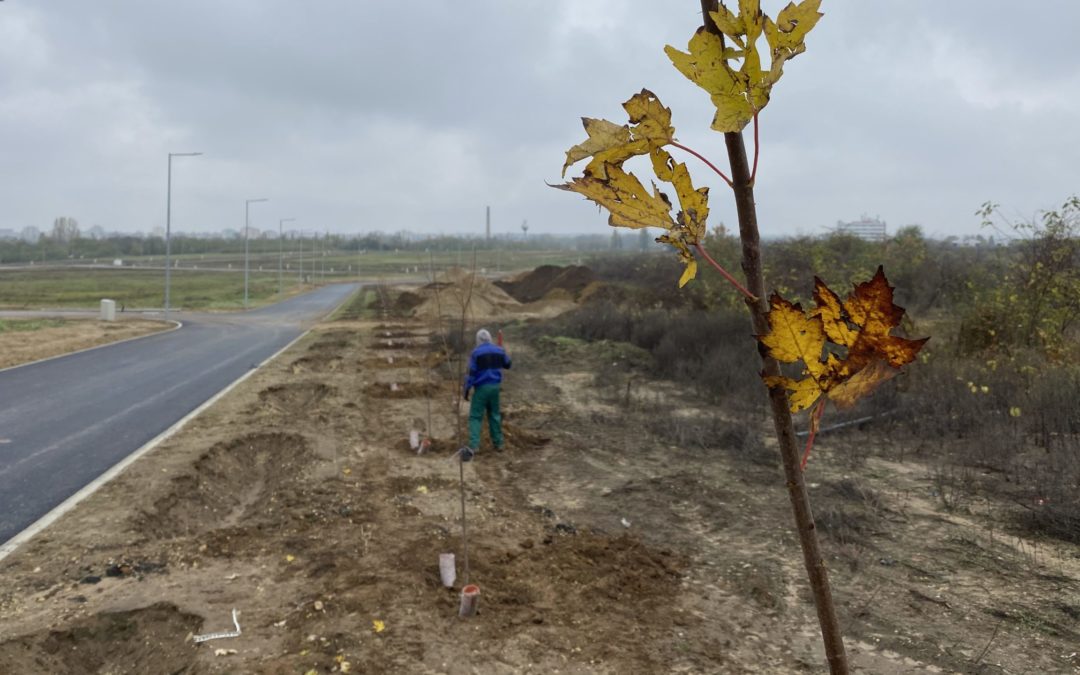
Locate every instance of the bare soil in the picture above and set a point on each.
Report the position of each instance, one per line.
(603, 539)
(19, 347)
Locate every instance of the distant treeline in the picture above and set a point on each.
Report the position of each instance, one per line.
(49, 248)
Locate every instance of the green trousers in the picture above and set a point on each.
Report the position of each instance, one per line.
(485, 398)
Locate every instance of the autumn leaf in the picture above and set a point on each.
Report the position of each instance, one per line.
(871, 307)
(740, 93)
(610, 143)
(846, 392)
(694, 202)
(794, 335)
(846, 348)
(605, 138)
(628, 201)
(686, 256)
(801, 393)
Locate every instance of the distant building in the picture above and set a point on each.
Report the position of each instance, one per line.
(866, 228)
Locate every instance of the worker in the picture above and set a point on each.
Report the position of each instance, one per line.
(486, 364)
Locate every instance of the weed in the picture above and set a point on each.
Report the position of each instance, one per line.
(26, 325)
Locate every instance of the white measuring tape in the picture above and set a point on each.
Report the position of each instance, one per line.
(223, 634)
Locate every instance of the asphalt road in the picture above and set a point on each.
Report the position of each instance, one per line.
(65, 421)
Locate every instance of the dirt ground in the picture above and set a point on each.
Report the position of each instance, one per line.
(602, 539)
(18, 347)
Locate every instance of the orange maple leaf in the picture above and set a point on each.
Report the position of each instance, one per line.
(846, 347)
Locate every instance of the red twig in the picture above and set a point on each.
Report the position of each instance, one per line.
(815, 421)
(724, 273)
(757, 145)
(712, 166)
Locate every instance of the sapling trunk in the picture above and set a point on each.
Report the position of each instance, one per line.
(742, 185)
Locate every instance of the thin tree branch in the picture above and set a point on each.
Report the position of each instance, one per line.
(815, 422)
(709, 164)
(724, 273)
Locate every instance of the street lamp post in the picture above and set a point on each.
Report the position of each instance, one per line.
(247, 226)
(281, 250)
(168, 225)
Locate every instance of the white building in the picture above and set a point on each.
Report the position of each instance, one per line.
(867, 228)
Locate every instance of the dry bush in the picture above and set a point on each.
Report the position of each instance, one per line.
(741, 441)
(1006, 426)
(707, 350)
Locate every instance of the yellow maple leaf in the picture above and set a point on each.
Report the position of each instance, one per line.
(604, 137)
(612, 144)
(651, 120)
(629, 202)
(740, 93)
(625, 198)
(681, 246)
(801, 393)
(693, 202)
(378, 626)
(794, 336)
(831, 312)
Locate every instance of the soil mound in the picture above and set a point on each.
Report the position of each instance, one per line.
(296, 397)
(227, 484)
(138, 641)
(599, 291)
(390, 344)
(401, 390)
(318, 362)
(393, 362)
(546, 279)
(516, 437)
(406, 301)
(334, 339)
(450, 292)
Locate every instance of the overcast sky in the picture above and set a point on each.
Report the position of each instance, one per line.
(360, 115)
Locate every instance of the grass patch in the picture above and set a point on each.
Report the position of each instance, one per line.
(132, 288)
(356, 307)
(27, 325)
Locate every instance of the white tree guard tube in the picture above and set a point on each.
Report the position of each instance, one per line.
(447, 569)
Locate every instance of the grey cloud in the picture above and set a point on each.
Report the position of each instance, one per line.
(363, 115)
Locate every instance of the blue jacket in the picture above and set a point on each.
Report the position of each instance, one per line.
(485, 365)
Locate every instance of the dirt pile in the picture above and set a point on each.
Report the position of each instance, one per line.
(138, 641)
(548, 280)
(295, 397)
(457, 291)
(227, 484)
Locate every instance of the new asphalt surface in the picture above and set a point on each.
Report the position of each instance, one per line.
(65, 421)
